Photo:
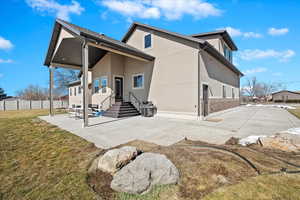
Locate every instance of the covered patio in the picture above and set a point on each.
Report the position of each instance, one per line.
(73, 47)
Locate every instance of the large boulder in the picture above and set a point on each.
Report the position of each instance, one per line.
(282, 141)
(115, 159)
(145, 171)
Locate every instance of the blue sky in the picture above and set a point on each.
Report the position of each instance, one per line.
(267, 32)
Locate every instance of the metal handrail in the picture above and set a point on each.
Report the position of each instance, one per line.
(136, 101)
(106, 98)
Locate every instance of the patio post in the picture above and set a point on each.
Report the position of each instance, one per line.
(85, 67)
(51, 69)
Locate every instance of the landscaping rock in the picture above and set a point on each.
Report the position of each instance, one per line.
(282, 141)
(232, 141)
(145, 171)
(115, 159)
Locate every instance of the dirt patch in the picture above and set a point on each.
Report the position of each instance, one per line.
(214, 120)
(204, 170)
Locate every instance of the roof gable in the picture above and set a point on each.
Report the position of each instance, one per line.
(223, 33)
(202, 43)
(94, 37)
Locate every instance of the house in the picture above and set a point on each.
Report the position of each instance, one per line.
(286, 96)
(75, 92)
(189, 75)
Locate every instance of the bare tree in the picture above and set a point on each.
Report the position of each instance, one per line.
(254, 88)
(62, 78)
(250, 87)
(35, 92)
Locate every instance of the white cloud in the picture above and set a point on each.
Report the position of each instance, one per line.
(277, 74)
(255, 70)
(276, 32)
(252, 35)
(170, 9)
(282, 56)
(53, 7)
(234, 32)
(5, 44)
(6, 61)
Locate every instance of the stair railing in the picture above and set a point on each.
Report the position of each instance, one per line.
(108, 98)
(135, 101)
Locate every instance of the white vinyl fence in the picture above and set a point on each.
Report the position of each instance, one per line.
(30, 105)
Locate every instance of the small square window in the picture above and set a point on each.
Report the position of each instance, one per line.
(103, 83)
(138, 81)
(147, 41)
(96, 85)
(224, 91)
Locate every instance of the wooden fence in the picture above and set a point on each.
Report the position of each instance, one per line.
(30, 105)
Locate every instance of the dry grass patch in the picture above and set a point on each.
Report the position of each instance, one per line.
(295, 112)
(41, 161)
(268, 187)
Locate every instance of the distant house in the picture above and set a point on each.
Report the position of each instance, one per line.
(286, 96)
(181, 74)
(76, 93)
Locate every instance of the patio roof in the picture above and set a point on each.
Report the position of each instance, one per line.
(69, 51)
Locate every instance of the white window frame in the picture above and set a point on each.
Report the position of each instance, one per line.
(70, 92)
(143, 82)
(100, 84)
(151, 34)
(93, 89)
(224, 93)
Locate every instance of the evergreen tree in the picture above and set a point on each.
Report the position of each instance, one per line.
(2, 94)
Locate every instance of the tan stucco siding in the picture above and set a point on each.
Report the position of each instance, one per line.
(174, 79)
(285, 95)
(102, 68)
(215, 75)
(133, 67)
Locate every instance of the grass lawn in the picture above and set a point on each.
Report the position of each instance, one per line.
(41, 161)
(296, 112)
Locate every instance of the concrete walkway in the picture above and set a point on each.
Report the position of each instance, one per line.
(239, 122)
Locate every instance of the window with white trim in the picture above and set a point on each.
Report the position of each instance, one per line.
(79, 90)
(147, 41)
(138, 81)
(227, 53)
(70, 91)
(96, 85)
(103, 82)
(75, 89)
(224, 91)
(232, 92)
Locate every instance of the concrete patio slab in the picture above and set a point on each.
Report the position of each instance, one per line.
(239, 122)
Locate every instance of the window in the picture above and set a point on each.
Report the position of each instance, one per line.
(224, 91)
(103, 83)
(70, 91)
(75, 91)
(227, 53)
(79, 90)
(232, 92)
(96, 85)
(138, 81)
(147, 41)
